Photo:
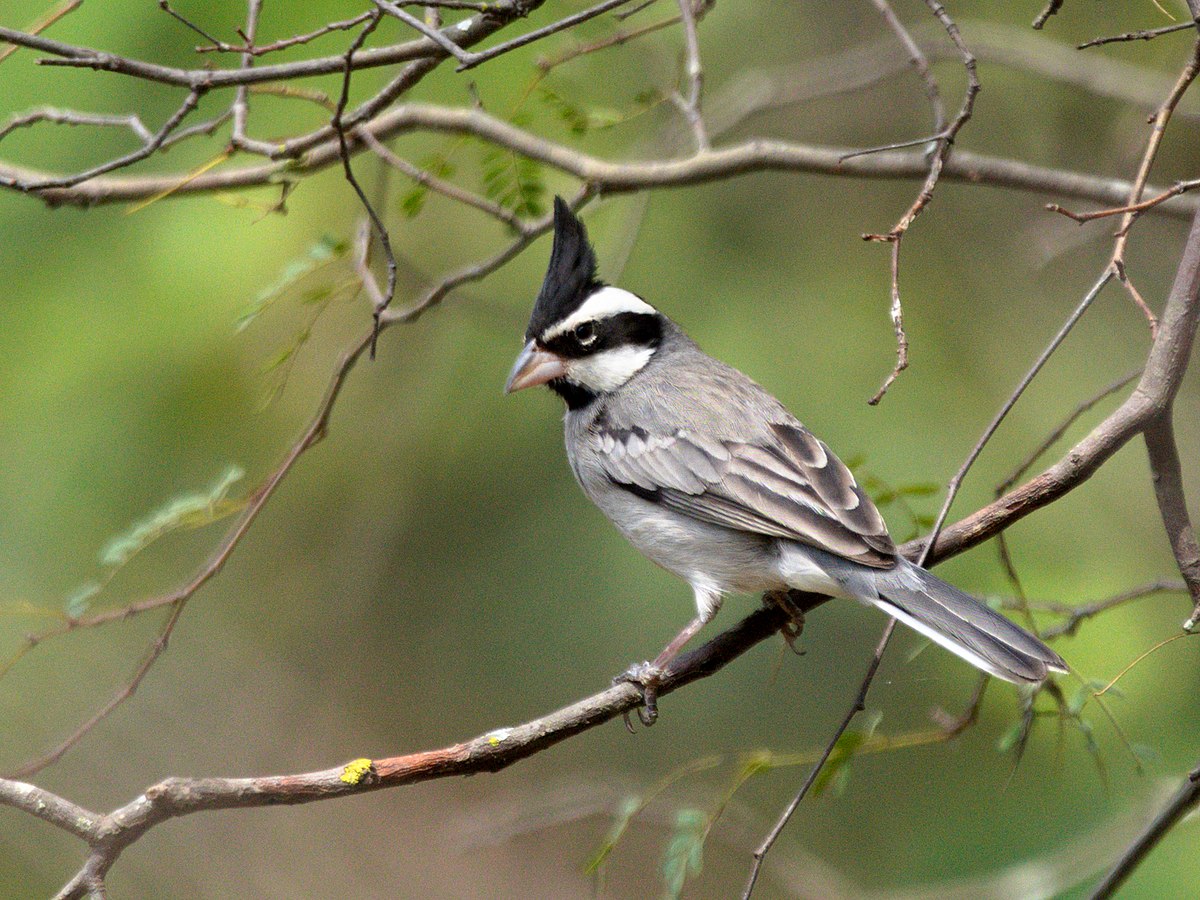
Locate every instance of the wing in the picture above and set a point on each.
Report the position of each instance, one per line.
(789, 485)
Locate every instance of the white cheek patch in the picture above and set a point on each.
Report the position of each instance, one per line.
(609, 369)
(606, 302)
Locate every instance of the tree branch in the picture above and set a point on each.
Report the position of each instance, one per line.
(1183, 802)
(613, 177)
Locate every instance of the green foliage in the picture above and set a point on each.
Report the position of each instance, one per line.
(684, 856)
(515, 182)
(579, 120)
(324, 252)
(80, 599)
(629, 808)
(897, 499)
(187, 511)
(413, 200)
(836, 773)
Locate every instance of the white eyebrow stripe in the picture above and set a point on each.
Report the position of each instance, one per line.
(606, 302)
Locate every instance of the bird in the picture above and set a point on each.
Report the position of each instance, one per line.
(709, 476)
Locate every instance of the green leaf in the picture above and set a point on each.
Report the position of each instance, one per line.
(1078, 700)
(413, 200)
(326, 250)
(921, 489)
(515, 182)
(629, 808)
(836, 772)
(80, 599)
(572, 115)
(684, 856)
(1011, 737)
(1144, 752)
(187, 511)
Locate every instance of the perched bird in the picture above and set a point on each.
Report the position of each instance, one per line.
(710, 477)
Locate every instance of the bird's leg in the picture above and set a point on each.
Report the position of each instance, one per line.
(648, 675)
(795, 627)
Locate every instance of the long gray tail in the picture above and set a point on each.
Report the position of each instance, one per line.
(964, 626)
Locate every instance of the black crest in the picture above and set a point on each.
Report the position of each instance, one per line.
(571, 276)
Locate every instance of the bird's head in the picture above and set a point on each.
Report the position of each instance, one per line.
(585, 338)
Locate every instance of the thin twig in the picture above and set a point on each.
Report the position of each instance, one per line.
(1059, 430)
(1167, 477)
(312, 435)
(1158, 129)
(1182, 803)
(1051, 8)
(127, 690)
(434, 34)
(1006, 408)
(539, 33)
(156, 141)
(859, 704)
(694, 73)
(188, 23)
(443, 187)
(1177, 807)
(241, 105)
(1074, 616)
(71, 117)
(937, 161)
(1180, 187)
(616, 39)
(296, 40)
(1144, 35)
(468, 32)
(380, 229)
(62, 9)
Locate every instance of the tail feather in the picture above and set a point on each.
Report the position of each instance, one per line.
(964, 625)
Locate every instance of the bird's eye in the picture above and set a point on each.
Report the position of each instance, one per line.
(585, 333)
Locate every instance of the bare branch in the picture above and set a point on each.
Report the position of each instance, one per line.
(434, 34)
(273, 47)
(381, 231)
(49, 807)
(71, 117)
(1165, 367)
(441, 186)
(1144, 35)
(944, 140)
(539, 33)
(1052, 7)
(1181, 804)
(859, 704)
(157, 647)
(1056, 435)
(694, 72)
(1172, 505)
(1074, 616)
(1180, 187)
(467, 32)
(63, 8)
(612, 177)
(156, 141)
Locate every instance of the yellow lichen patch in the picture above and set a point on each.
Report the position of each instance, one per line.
(354, 772)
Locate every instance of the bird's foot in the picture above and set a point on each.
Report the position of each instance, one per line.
(646, 676)
(792, 630)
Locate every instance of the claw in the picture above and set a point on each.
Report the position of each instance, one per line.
(793, 629)
(647, 677)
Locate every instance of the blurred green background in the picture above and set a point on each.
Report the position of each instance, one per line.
(431, 571)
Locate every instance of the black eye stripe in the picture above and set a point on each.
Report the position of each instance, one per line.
(627, 329)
